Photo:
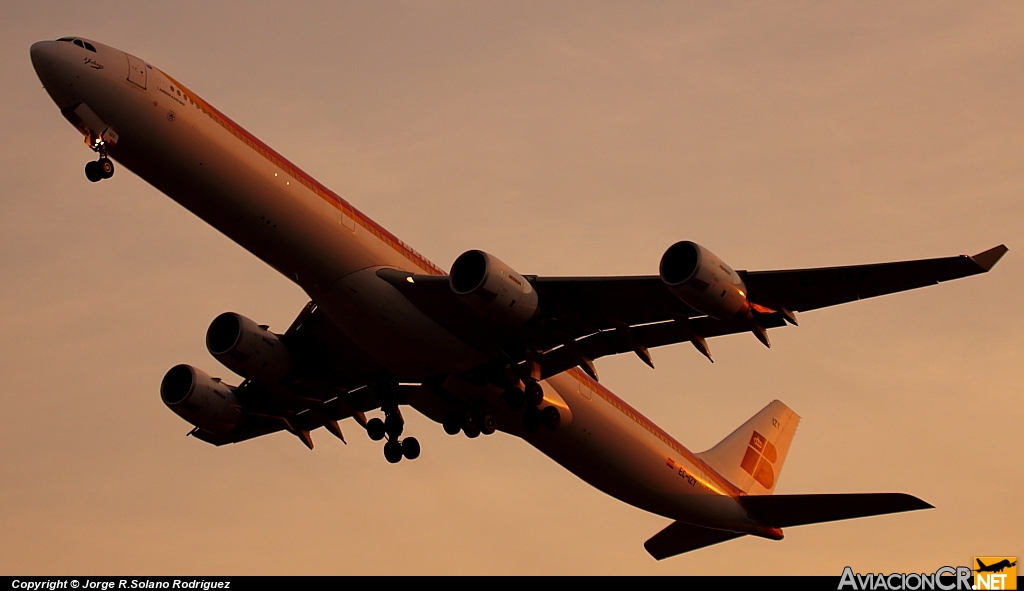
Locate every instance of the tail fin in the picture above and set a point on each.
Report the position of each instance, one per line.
(751, 457)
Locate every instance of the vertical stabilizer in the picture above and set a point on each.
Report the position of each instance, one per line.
(751, 457)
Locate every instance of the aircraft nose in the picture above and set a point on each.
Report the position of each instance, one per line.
(43, 54)
(49, 66)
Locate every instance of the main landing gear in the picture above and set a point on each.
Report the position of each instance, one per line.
(391, 427)
(472, 423)
(100, 169)
(532, 396)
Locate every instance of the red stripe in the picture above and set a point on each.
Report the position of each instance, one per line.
(420, 261)
(319, 188)
(620, 404)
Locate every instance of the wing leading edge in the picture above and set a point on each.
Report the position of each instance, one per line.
(585, 318)
(800, 290)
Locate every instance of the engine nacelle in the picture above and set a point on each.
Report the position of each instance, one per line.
(705, 283)
(247, 348)
(493, 289)
(199, 399)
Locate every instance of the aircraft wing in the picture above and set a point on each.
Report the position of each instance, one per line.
(809, 289)
(328, 384)
(637, 300)
(584, 318)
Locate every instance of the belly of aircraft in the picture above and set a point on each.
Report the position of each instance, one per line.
(607, 450)
(223, 181)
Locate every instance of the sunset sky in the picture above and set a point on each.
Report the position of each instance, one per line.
(567, 138)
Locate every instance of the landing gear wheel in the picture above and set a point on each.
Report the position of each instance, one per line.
(452, 423)
(375, 429)
(106, 167)
(410, 448)
(394, 425)
(534, 393)
(488, 424)
(551, 417)
(393, 451)
(470, 425)
(531, 420)
(515, 398)
(93, 172)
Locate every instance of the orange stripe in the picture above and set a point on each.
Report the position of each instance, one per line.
(312, 184)
(621, 405)
(420, 261)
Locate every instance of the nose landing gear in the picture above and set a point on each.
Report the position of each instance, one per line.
(99, 169)
(102, 168)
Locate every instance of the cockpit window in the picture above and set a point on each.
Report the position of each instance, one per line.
(79, 42)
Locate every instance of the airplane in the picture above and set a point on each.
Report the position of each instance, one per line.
(994, 568)
(479, 349)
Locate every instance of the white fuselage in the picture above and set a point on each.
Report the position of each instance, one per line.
(188, 150)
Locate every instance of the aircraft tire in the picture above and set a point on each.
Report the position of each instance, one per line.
(375, 429)
(394, 425)
(451, 423)
(551, 417)
(471, 424)
(106, 167)
(93, 172)
(531, 420)
(393, 451)
(515, 398)
(488, 424)
(534, 393)
(410, 448)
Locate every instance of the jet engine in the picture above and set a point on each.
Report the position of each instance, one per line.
(705, 283)
(199, 399)
(493, 289)
(247, 348)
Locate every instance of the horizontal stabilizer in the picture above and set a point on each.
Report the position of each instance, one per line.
(682, 537)
(789, 510)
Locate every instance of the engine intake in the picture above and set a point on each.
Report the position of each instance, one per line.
(248, 349)
(703, 281)
(493, 289)
(199, 399)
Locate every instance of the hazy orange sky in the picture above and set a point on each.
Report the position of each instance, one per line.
(567, 139)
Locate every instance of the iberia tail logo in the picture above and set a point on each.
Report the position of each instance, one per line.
(759, 459)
